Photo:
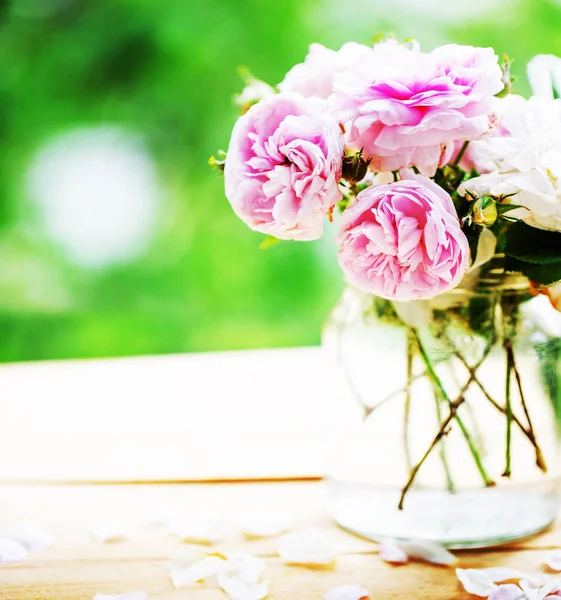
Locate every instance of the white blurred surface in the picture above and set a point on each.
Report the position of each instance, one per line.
(247, 414)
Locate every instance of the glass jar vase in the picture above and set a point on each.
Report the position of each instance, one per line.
(455, 431)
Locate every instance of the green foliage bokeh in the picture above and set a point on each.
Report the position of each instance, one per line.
(166, 70)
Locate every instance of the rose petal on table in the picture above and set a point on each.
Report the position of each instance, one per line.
(554, 560)
(130, 596)
(507, 591)
(108, 533)
(476, 582)
(204, 570)
(392, 553)
(541, 587)
(31, 538)
(427, 551)
(305, 548)
(482, 582)
(347, 592)
(236, 589)
(264, 526)
(11, 551)
(246, 567)
(197, 531)
(498, 574)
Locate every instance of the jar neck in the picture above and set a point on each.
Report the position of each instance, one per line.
(492, 276)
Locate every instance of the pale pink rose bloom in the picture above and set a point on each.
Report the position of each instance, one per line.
(314, 77)
(404, 106)
(283, 166)
(403, 241)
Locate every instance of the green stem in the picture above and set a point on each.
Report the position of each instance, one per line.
(436, 382)
(407, 407)
(443, 455)
(461, 153)
(508, 407)
(529, 433)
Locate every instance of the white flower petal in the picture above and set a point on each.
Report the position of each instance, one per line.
(427, 551)
(236, 589)
(482, 582)
(108, 533)
(476, 582)
(498, 574)
(264, 526)
(204, 569)
(31, 538)
(554, 560)
(11, 551)
(130, 596)
(305, 548)
(197, 531)
(508, 591)
(392, 553)
(246, 567)
(347, 592)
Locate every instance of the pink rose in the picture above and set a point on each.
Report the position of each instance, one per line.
(314, 77)
(403, 106)
(283, 166)
(403, 241)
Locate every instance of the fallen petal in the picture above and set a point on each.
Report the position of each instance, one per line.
(476, 582)
(246, 567)
(427, 551)
(108, 533)
(197, 531)
(347, 592)
(130, 596)
(236, 589)
(31, 538)
(204, 570)
(554, 560)
(264, 526)
(507, 591)
(392, 553)
(498, 574)
(305, 548)
(11, 551)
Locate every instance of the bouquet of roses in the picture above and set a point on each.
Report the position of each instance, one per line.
(432, 162)
(435, 167)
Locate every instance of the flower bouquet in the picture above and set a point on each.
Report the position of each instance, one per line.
(445, 188)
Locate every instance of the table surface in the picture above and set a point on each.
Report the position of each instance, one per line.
(77, 568)
(254, 414)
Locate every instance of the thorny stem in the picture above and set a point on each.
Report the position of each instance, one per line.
(438, 384)
(441, 433)
(444, 429)
(443, 457)
(529, 433)
(407, 408)
(508, 410)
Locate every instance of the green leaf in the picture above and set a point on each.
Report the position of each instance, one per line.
(473, 233)
(504, 208)
(269, 242)
(532, 245)
(542, 274)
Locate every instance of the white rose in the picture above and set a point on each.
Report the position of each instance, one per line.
(529, 161)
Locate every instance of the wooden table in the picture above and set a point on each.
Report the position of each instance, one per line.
(77, 568)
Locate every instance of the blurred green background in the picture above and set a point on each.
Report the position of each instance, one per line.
(115, 236)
